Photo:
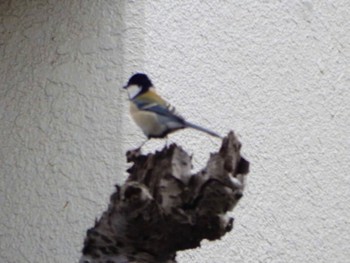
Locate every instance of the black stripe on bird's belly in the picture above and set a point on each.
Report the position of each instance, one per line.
(164, 134)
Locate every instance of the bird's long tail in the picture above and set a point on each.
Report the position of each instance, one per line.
(199, 128)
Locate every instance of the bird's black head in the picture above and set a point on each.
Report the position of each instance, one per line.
(141, 80)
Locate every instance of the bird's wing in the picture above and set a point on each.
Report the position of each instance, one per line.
(161, 110)
(150, 101)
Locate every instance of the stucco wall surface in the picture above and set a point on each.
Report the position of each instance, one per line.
(60, 114)
(277, 72)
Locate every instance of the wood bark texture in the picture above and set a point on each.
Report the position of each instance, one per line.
(162, 208)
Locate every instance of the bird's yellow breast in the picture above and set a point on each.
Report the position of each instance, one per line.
(147, 121)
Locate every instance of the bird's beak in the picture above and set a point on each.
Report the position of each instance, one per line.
(125, 86)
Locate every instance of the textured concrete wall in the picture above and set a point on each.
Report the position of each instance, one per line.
(60, 115)
(277, 72)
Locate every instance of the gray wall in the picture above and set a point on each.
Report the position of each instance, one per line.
(277, 72)
(61, 65)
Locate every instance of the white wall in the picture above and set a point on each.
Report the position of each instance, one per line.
(277, 72)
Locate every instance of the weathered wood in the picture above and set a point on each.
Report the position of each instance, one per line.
(162, 208)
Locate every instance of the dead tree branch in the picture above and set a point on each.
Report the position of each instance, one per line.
(163, 208)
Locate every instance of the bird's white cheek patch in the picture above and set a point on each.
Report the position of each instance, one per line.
(133, 91)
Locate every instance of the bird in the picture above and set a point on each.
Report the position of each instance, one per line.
(154, 115)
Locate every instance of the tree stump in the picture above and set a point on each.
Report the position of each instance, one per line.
(163, 208)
